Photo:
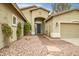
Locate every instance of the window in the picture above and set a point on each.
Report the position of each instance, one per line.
(14, 20)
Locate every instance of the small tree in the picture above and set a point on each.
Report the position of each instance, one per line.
(7, 32)
(58, 7)
(19, 30)
(27, 28)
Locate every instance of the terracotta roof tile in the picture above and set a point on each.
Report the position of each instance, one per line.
(59, 13)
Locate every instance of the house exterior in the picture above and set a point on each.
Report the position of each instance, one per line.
(36, 16)
(57, 25)
(11, 15)
(64, 25)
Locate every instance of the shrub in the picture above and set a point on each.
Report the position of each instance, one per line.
(27, 28)
(7, 32)
(19, 30)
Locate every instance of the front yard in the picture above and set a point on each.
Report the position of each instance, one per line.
(28, 46)
(40, 46)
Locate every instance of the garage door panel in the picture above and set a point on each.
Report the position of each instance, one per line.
(69, 30)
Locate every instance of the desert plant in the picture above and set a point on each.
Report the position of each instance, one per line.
(19, 30)
(27, 28)
(7, 32)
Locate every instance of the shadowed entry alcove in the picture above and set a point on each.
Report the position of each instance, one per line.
(39, 25)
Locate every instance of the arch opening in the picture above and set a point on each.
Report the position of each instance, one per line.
(39, 25)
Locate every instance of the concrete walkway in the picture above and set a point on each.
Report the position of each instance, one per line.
(74, 41)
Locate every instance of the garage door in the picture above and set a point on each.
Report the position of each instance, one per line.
(69, 30)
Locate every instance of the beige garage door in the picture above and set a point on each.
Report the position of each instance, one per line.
(69, 30)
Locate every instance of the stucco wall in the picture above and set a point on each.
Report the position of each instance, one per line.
(6, 13)
(34, 14)
(48, 27)
(27, 13)
(64, 18)
(38, 13)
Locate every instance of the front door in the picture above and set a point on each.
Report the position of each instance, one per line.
(38, 28)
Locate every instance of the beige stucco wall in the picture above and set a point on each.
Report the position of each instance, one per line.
(39, 13)
(69, 17)
(34, 14)
(6, 13)
(27, 13)
(48, 27)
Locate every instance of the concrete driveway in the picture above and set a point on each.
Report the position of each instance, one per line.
(74, 41)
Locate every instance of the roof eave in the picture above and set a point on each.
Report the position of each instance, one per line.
(51, 16)
(16, 7)
(28, 7)
(33, 9)
(40, 8)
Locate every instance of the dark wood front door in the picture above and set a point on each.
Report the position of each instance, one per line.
(38, 28)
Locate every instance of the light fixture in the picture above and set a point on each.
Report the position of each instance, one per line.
(56, 24)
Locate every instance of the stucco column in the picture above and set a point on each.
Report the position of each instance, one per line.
(33, 27)
(56, 30)
(43, 27)
(32, 24)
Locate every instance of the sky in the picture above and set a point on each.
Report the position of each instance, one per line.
(48, 6)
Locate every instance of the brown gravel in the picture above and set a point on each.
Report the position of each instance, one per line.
(37, 46)
(28, 46)
(67, 49)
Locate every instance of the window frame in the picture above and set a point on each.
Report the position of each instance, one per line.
(13, 20)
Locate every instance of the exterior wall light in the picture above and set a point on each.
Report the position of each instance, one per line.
(56, 24)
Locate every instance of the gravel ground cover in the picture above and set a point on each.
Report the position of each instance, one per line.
(37, 46)
(28, 46)
(67, 49)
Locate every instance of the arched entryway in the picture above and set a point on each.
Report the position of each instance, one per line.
(39, 25)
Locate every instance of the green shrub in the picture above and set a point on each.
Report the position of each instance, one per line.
(27, 28)
(7, 33)
(19, 30)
